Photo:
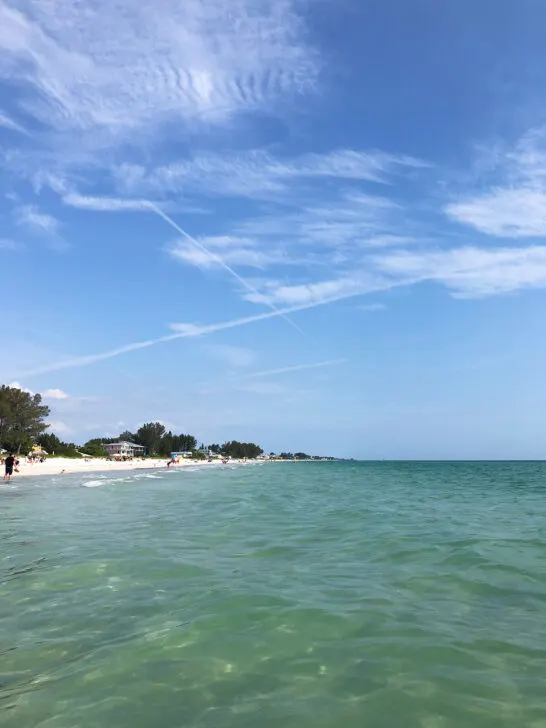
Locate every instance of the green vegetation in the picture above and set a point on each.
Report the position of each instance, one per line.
(53, 446)
(22, 419)
(23, 425)
(239, 450)
(95, 448)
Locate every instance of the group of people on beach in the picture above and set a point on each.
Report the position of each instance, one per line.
(11, 464)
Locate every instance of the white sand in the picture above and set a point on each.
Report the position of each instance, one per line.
(55, 466)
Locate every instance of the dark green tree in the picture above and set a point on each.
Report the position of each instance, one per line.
(166, 444)
(54, 446)
(127, 437)
(184, 443)
(50, 443)
(22, 418)
(241, 450)
(150, 436)
(95, 448)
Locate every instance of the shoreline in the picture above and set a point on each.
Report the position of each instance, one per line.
(70, 466)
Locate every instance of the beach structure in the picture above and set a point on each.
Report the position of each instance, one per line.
(184, 454)
(38, 451)
(124, 449)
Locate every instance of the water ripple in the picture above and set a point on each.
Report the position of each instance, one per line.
(318, 594)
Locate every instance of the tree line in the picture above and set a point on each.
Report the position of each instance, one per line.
(152, 435)
(23, 424)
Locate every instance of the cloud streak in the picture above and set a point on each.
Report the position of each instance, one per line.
(257, 174)
(514, 204)
(290, 369)
(220, 262)
(138, 64)
(31, 218)
(183, 331)
(8, 123)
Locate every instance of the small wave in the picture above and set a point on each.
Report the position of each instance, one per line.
(94, 483)
(104, 481)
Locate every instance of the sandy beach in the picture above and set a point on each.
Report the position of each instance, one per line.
(57, 466)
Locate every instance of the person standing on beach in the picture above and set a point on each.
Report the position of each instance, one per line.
(8, 464)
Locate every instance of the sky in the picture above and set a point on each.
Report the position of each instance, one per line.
(314, 225)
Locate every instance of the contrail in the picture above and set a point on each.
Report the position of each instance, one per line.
(187, 331)
(285, 370)
(220, 262)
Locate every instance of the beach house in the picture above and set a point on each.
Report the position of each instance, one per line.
(124, 449)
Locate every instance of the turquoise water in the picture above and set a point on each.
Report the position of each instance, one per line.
(287, 595)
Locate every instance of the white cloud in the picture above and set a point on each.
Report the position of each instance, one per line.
(214, 256)
(504, 213)
(104, 204)
(240, 253)
(29, 217)
(8, 123)
(118, 204)
(471, 272)
(131, 65)
(257, 174)
(467, 272)
(345, 286)
(54, 394)
(514, 206)
(18, 385)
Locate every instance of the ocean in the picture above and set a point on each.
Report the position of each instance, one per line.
(302, 595)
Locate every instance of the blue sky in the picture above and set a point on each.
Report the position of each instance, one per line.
(319, 226)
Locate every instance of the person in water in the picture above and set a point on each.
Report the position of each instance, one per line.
(9, 464)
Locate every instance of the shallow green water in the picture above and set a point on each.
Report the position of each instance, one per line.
(320, 594)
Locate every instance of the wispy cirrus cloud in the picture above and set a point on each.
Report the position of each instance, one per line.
(219, 261)
(8, 123)
(130, 65)
(514, 203)
(104, 204)
(258, 174)
(470, 272)
(41, 224)
(466, 272)
(122, 204)
(332, 234)
(32, 219)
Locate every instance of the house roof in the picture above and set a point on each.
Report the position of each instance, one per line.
(124, 442)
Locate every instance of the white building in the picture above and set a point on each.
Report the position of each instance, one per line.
(124, 449)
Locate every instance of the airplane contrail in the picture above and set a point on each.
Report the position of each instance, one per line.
(286, 370)
(220, 262)
(186, 331)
